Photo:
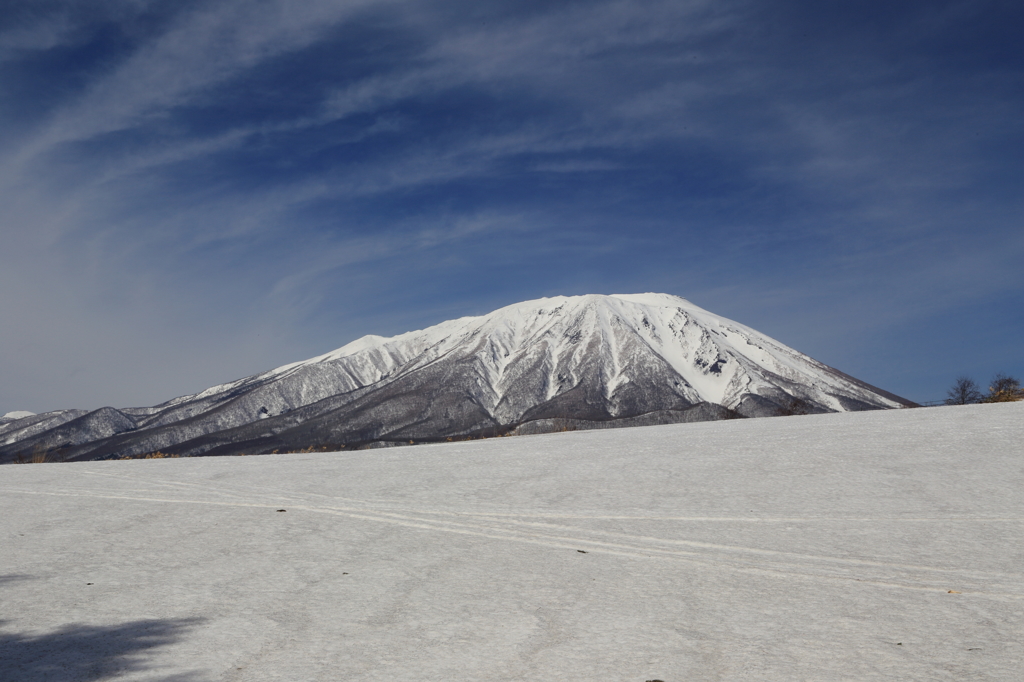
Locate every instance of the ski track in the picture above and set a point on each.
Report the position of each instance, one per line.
(524, 528)
(396, 506)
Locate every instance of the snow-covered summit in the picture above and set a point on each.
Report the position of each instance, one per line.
(704, 357)
(593, 358)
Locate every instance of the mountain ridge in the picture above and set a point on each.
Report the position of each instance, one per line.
(590, 358)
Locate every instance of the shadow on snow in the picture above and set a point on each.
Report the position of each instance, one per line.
(84, 653)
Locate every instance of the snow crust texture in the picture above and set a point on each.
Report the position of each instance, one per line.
(879, 545)
(592, 359)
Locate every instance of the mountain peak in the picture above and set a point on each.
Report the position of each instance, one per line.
(594, 359)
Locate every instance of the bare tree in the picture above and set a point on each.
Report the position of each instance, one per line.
(1004, 389)
(964, 392)
(795, 406)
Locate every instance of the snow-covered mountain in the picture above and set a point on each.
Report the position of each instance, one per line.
(551, 363)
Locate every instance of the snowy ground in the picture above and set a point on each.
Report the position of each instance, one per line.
(870, 546)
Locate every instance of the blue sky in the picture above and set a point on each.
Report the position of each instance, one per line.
(192, 192)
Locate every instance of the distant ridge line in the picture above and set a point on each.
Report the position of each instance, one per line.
(589, 361)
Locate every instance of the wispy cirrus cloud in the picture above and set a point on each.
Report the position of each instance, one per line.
(282, 177)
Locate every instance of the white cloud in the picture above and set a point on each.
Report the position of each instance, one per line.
(123, 218)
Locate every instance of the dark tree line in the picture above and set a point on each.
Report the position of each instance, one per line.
(1003, 389)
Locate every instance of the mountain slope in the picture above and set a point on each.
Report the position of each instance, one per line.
(589, 358)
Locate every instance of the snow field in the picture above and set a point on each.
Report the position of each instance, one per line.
(857, 546)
